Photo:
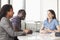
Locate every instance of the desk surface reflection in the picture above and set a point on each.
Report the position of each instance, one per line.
(38, 36)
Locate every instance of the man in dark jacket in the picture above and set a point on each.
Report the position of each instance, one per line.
(16, 21)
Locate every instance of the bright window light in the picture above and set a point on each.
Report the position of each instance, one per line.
(17, 5)
(59, 10)
(3, 2)
(33, 10)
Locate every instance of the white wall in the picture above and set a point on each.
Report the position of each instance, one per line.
(36, 9)
(59, 10)
(33, 10)
(46, 5)
(17, 5)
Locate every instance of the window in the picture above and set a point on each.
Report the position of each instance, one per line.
(17, 5)
(59, 10)
(33, 10)
(36, 9)
(3, 2)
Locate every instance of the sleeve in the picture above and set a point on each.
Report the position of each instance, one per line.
(14, 22)
(6, 26)
(56, 22)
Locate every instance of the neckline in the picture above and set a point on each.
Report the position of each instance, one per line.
(50, 21)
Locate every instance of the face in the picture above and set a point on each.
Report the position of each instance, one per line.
(50, 15)
(22, 16)
(10, 13)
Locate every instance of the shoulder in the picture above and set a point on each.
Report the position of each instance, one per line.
(13, 19)
(55, 20)
(4, 19)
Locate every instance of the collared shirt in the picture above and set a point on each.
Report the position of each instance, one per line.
(16, 22)
(52, 25)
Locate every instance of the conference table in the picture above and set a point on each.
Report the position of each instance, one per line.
(38, 36)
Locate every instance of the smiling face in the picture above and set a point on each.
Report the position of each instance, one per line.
(10, 13)
(21, 16)
(50, 15)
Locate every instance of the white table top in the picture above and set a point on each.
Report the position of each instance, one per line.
(38, 36)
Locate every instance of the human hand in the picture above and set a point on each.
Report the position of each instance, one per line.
(43, 31)
(26, 31)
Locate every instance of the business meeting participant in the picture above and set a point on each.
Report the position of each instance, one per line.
(16, 21)
(51, 24)
(6, 30)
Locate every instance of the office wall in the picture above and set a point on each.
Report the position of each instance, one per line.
(17, 5)
(36, 9)
(33, 10)
(59, 9)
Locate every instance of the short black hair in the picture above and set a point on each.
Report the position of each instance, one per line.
(22, 11)
(4, 10)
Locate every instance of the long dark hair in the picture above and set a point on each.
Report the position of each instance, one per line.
(4, 10)
(53, 13)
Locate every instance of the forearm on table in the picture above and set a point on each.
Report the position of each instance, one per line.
(51, 30)
(56, 31)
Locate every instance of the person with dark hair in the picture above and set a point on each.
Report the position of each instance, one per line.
(50, 24)
(6, 30)
(16, 21)
(4, 10)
